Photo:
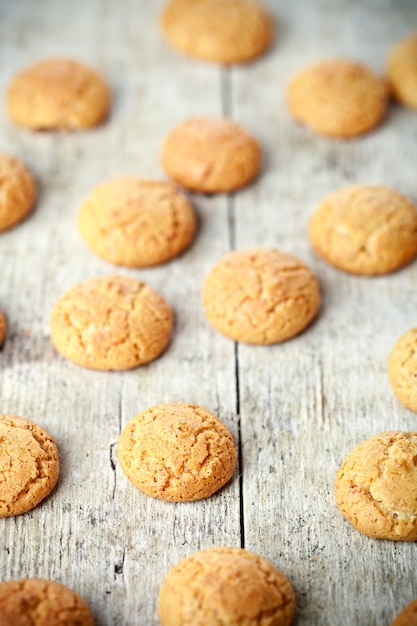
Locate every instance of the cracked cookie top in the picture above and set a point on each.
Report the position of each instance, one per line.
(402, 71)
(17, 191)
(211, 155)
(177, 452)
(58, 93)
(235, 31)
(227, 586)
(402, 369)
(41, 602)
(338, 98)
(365, 229)
(136, 222)
(260, 296)
(111, 323)
(29, 465)
(376, 486)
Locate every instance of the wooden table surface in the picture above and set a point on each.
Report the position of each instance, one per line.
(295, 409)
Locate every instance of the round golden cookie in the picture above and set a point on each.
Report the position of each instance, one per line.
(136, 222)
(260, 296)
(58, 93)
(111, 323)
(235, 31)
(227, 586)
(338, 98)
(177, 452)
(366, 229)
(408, 616)
(3, 326)
(17, 192)
(376, 486)
(402, 369)
(29, 465)
(402, 71)
(41, 602)
(209, 155)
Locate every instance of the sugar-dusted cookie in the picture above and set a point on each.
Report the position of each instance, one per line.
(338, 98)
(58, 93)
(235, 31)
(17, 191)
(260, 296)
(209, 155)
(29, 465)
(402, 369)
(3, 327)
(177, 452)
(408, 616)
(41, 602)
(365, 229)
(402, 71)
(375, 486)
(227, 586)
(111, 323)
(136, 222)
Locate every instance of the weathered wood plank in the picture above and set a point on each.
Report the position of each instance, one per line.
(304, 404)
(97, 533)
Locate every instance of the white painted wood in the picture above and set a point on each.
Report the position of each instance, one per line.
(306, 403)
(303, 404)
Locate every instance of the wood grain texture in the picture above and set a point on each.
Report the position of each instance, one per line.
(297, 408)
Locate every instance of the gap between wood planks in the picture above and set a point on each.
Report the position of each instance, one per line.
(227, 111)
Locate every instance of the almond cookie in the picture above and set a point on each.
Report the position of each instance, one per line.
(402, 369)
(408, 616)
(338, 98)
(40, 602)
(376, 486)
(58, 93)
(29, 465)
(260, 296)
(402, 71)
(2, 327)
(135, 222)
(177, 452)
(211, 155)
(235, 31)
(227, 586)
(111, 323)
(365, 229)
(17, 192)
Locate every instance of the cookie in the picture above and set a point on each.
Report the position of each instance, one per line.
(235, 31)
(58, 94)
(17, 192)
(227, 586)
(177, 452)
(136, 222)
(211, 155)
(366, 229)
(402, 369)
(402, 71)
(41, 602)
(260, 296)
(338, 98)
(111, 323)
(2, 327)
(375, 486)
(29, 465)
(408, 616)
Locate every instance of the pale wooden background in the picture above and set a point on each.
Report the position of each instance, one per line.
(295, 409)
